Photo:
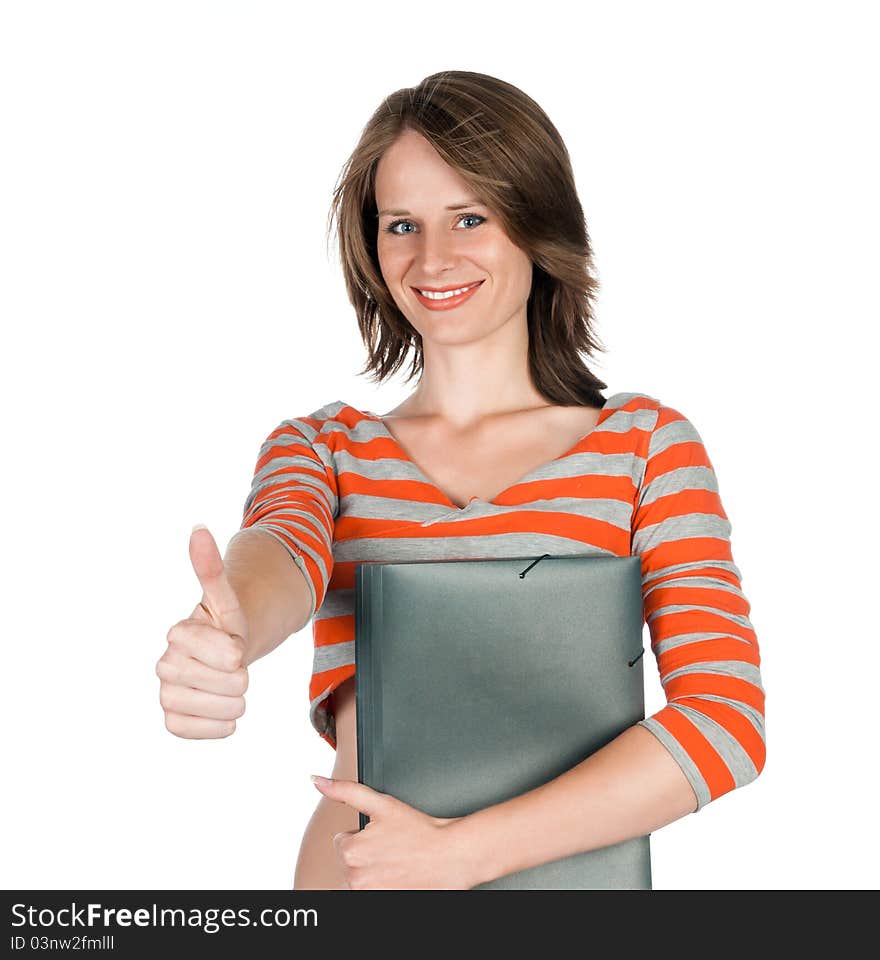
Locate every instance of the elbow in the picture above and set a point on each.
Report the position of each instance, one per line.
(759, 761)
(720, 745)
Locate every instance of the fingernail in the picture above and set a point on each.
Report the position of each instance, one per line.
(317, 779)
(198, 526)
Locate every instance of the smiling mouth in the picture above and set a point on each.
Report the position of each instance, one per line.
(446, 293)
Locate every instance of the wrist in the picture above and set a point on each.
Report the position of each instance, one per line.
(465, 836)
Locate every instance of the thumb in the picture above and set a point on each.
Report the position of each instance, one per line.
(219, 600)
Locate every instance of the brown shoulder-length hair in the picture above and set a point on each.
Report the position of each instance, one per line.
(507, 150)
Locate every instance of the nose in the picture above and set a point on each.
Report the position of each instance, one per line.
(438, 254)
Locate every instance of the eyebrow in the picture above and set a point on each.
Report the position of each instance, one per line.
(455, 206)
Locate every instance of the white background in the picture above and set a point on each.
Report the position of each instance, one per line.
(168, 297)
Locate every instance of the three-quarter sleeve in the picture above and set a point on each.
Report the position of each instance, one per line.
(698, 617)
(294, 498)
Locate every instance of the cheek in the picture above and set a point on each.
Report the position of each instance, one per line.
(498, 255)
(392, 264)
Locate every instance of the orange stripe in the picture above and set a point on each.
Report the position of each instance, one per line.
(580, 487)
(733, 688)
(356, 528)
(415, 490)
(689, 550)
(676, 623)
(587, 529)
(704, 596)
(701, 651)
(329, 630)
(680, 503)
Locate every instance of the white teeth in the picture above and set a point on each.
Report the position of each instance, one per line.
(447, 294)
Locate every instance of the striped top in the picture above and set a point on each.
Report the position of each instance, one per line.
(336, 489)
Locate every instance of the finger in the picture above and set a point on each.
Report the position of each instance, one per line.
(220, 600)
(197, 703)
(357, 795)
(201, 612)
(347, 855)
(208, 644)
(179, 668)
(198, 728)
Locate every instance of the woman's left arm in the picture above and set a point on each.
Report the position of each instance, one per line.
(628, 788)
(709, 738)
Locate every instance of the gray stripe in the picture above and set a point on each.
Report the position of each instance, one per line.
(390, 509)
(614, 512)
(338, 603)
(383, 468)
(681, 528)
(729, 668)
(620, 399)
(573, 466)
(441, 548)
(739, 618)
(333, 655)
(621, 421)
(676, 431)
(711, 583)
(715, 562)
(321, 719)
(698, 477)
(327, 412)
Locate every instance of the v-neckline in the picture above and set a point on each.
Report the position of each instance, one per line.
(583, 442)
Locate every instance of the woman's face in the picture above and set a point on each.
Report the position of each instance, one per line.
(423, 244)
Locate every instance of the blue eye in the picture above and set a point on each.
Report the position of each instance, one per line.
(464, 216)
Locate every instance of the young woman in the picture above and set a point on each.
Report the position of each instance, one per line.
(463, 242)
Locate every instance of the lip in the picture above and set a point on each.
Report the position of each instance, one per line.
(452, 286)
(450, 302)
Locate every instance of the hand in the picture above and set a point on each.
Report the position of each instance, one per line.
(203, 675)
(401, 848)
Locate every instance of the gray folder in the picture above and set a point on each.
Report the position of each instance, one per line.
(478, 680)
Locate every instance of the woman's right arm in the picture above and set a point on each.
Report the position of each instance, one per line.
(271, 589)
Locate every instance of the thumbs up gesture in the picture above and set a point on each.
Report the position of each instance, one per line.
(202, 673)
